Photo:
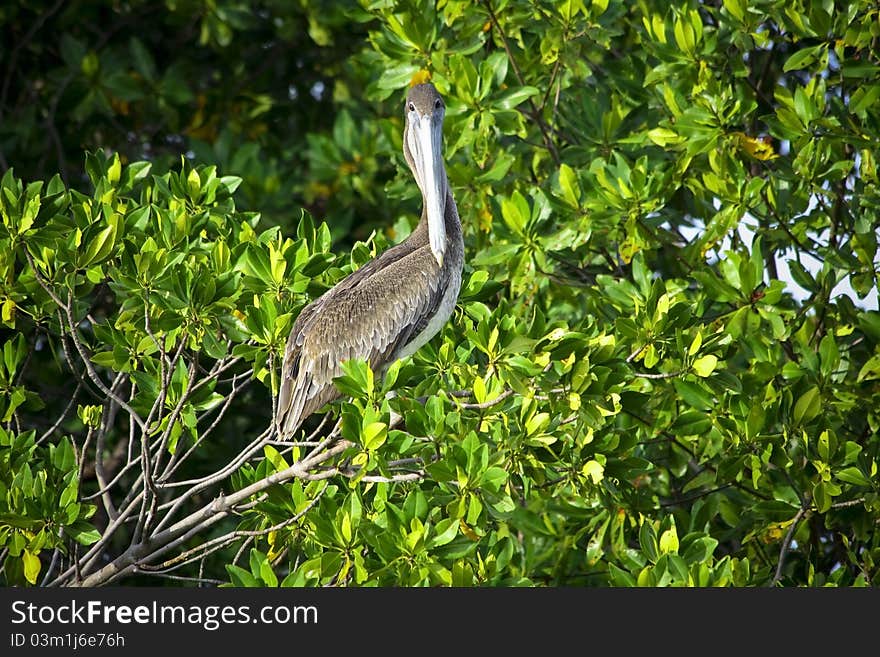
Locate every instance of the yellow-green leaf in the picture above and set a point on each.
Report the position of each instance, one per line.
(664, 136)
(114, 170)
(594, 470)
(598, 7)
(706, 365)
(194, 184)
(8, 312)
(735, 8)
(375, 434)
(569, 185)
(870, 370)
(273, 455)
(537, 423)
(345, 527)
(669, 541)
(31, 566)
(479, 390)
(696, 343)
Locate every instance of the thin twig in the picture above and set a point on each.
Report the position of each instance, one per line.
(74, 335)
(64, 413)
(789, 537)
(181, 578)
(221, 541)
(203, 518)
(662, 375)
(179, 456)
(490, 403)
(534, 114)
(635, 354)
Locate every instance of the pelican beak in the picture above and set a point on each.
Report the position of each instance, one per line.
(425, 139)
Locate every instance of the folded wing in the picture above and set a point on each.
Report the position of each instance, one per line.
(372, 314)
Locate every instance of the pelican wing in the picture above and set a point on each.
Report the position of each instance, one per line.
(371, 314)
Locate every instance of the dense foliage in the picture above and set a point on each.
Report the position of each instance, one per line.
(651, 378)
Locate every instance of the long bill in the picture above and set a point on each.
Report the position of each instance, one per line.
(425, 140)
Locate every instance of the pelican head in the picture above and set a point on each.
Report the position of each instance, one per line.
(422, 144)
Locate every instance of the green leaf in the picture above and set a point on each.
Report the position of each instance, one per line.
(83, 532)
(677, 567)
(569, 185)
(357, 380)
(620, 577)
(870, 370)
(736, 8)
(515, 97)
(493, 478)
(648, 541)
(864, 98)
(697, 550)
(822, 497)
(240, 577)
(142, 59)
(537, 423)
(275, 458)
(72, 51)
(230, 183)
(853, 475)
(807, 406)
(445, 531)
(802, 58)
(804, 105)
(260, 564)
(102, 244)
(515, 212)
(692, 423)
(63, 457)
(133, 174)
(694, 394)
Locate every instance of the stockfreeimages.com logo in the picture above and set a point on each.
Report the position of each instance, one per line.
(210, 617)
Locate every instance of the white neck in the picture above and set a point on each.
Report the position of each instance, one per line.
(437, 229)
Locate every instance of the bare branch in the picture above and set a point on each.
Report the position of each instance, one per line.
(180, 457)
(661, 375)
(635, 354)
(73, 397)
(200, 551)
(97, 548)
(74, 335)
(200, 520)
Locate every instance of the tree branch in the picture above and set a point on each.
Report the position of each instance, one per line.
(203, 518)
(535, 114)
(488, 404)
(789, 537)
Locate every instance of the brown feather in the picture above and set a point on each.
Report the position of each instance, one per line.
(374, 312)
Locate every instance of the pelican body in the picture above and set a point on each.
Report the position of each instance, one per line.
(395, 303)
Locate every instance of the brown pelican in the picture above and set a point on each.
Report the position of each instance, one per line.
(395, 303)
